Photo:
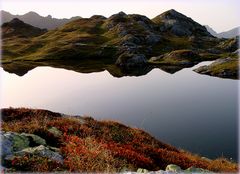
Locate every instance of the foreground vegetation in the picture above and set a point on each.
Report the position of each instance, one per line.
(89, 145)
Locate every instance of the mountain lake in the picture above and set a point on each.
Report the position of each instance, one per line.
(198, 113)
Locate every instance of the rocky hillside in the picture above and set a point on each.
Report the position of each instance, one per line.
(120, 44)
(35, 140)
(180, 24)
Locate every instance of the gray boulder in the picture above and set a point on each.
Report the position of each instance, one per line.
(55, 131)
(41, 151)
(131, 60)
(196, 170)
(173, 168)
(12, 142)
(34, 138)
(15, 144)
(152, 39)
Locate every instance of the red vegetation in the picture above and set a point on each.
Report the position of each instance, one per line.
(34, 163)
(88, 145)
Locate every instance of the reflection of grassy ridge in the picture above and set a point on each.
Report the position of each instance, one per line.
(99, 146)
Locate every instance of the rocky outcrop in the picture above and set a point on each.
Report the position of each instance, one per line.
(172, 168)
(131, 60)
(16, 144)
(41, 151)
(229, 45)
(136, 35)
(178, 57)
(224, 68)
(180, 24)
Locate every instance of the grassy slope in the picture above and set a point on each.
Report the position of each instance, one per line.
(98, 146)
(81, 38)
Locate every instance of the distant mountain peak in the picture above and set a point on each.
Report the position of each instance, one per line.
(32, 13)
(36, 20)
(172, 14)
(16, 27)
(226, 34)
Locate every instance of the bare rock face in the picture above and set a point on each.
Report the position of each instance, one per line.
(180, 24)
(135, 34)
(131, 60)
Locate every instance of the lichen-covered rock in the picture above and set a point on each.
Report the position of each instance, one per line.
(6, 146)
(55, 131)
(15, 142)
(140, 170)
(196, 170)
(41, 151)
(34, 139)
(173, 168)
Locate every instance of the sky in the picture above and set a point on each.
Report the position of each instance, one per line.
(221, 15)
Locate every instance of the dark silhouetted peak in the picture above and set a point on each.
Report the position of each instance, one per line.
(137, 17)
(118, 16)
(98, 17)
(49, 16)
(179, 24)
(16, 27)
(16, 21)
(121, 13)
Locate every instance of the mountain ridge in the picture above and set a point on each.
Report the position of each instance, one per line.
(17, 27)
(37, 20)
(225, 34)
(121, 43)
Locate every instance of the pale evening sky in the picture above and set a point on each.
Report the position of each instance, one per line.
(221, 15)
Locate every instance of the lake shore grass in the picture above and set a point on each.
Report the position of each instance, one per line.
(88, 145)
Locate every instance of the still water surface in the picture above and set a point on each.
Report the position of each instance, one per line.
(188, 110)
